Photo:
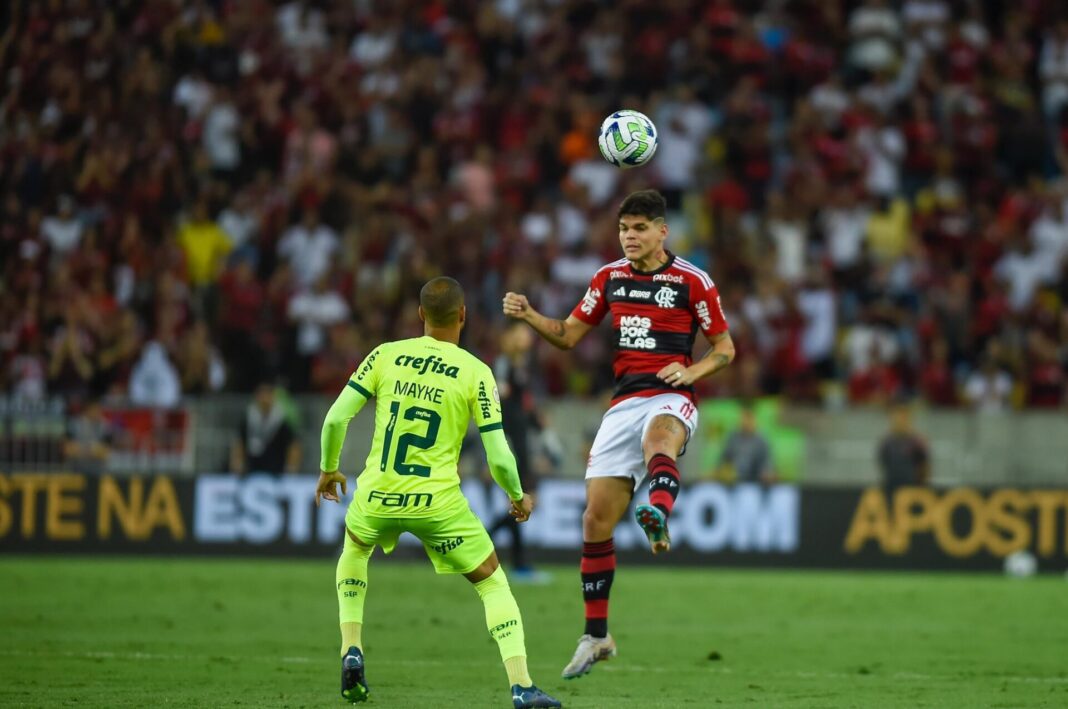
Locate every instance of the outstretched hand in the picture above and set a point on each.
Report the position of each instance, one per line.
(326, 488)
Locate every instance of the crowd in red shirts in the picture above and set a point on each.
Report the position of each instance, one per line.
(198, 195)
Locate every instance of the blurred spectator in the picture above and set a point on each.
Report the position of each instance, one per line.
(308, 247)
(199, 365)
(70, 368)
(313, 312)
(937, 385)
(788, 230)
(989, 389)
(1053, 69)
(874, 29)
(1045, 375)
(513, 372)
(333, 365)
(154, 382)
(204, 244)
(26, 375)
(240, 221)
(1024, 270)
(902, 454)
(87, 445)
(62, 231)
(220, 133)
(243, 303)
(302, 25)
(119, 348)
(265, 442)
(746, 456)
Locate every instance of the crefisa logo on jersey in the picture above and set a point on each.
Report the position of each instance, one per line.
(484, 400)
(433, 364)
(367, 365)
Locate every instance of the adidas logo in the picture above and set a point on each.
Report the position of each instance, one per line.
(622, 290)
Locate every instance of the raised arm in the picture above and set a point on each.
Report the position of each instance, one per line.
(563, 334)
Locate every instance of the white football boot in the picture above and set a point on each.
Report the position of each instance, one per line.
(589, 651)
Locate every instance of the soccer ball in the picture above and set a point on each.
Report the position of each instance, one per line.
(627, 139)
(1021, 564)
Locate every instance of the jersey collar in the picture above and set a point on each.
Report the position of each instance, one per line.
(663, 267)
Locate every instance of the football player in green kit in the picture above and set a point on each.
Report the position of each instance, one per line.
(426, 389)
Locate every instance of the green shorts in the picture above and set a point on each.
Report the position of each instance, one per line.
(456, 544)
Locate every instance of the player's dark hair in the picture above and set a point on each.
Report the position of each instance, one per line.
(644, 203)
(441, 299)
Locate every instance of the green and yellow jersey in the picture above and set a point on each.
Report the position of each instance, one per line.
(426, 391)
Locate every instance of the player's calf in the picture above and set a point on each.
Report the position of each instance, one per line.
(664, 483)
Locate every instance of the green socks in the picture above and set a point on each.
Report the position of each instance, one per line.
(505, 625)
(502, 614)
(351, 580)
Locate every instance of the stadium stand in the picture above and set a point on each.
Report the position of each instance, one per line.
(201, 194)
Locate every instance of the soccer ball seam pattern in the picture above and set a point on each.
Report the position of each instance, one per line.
(627, 139)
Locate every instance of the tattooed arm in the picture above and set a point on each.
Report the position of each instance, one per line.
(564, 334)
(718, 356)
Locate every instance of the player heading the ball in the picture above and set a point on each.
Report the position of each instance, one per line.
(657, 302)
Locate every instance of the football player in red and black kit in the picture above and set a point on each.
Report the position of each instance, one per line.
(657, 302)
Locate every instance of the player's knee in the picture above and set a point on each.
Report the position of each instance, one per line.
(356, 546)
(596, 523)
(659, 445)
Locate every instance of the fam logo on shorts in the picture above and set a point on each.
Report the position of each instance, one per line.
(448, 545)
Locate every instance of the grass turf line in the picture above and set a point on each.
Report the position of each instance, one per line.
(105, 632)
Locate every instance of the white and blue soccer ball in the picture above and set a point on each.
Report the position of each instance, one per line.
(628, 139)
(1020, 564)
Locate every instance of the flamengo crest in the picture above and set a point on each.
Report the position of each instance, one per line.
(665, 297)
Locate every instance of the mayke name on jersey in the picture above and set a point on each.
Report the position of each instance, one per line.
(418, 391)
(432, 364)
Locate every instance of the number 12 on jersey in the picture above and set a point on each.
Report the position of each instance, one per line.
(409, 439)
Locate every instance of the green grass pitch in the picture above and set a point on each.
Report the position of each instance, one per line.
(105, 632)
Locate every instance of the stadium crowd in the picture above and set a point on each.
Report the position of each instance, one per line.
(199, 194)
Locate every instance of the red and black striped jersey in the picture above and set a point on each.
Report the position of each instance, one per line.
(655, 317)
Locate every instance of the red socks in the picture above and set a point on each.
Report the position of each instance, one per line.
(598, 568)
(663, 483)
